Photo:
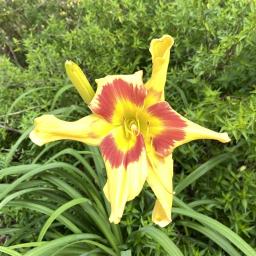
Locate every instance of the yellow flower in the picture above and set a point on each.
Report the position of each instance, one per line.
(135, 129)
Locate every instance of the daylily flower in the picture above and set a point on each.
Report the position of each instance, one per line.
(135, 129)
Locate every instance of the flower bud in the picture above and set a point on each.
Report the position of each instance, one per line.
(80, 81)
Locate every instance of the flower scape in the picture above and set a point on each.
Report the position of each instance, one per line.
(135, 129)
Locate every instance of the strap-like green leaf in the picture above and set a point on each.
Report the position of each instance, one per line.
(215, 237)
(57, 213)
(219, 228)
(200, 171)
(161, 238)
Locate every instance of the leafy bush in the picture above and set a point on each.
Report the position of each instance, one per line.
(211, 80)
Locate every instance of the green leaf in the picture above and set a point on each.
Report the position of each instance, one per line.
(214, 236)
(219, 228)
(101, 221)
(57, 213)
(9, 251)
(45, 210)
(200, 171)
(22, 96)
(27, 245)
(59, 94)
(14, 147)
(50, 247)
(19, 193)
(16, 170)
(162, 239)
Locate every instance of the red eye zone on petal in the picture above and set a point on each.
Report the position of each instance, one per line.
(116, 157)
(172, 127)
(118, 90)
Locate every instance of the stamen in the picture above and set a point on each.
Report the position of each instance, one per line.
(138, 123)
(147, 132)
(134, 128)
(126, 130)
(131, 127)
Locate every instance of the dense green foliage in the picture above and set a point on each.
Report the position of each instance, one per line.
(211, 80)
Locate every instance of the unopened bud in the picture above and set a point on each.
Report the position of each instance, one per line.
(80, 81)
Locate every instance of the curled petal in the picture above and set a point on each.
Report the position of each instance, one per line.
(80, 81)
(159, 178)
(117, 95)
(126, 165)
(160, 52)
(90, 130)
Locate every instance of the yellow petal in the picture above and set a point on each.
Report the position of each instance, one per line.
(134, 79)
(193, 131)
(160, 51)
(80, 81)
(160, 216)
(126, 165)
(168, 129)
(159, 178)
(90, 130)
(118, 95)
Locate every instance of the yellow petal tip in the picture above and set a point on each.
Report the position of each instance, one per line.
(35, 139)
(168, 39)
(224, 138)
(165, 38)
(69, 64)
(162, 223)
(159, 47)
(114, 219)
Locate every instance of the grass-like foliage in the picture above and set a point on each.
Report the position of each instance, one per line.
(70, 213)
(51, 200)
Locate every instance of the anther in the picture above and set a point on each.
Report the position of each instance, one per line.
(151, 142)
(135, 129)
(147, 128)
